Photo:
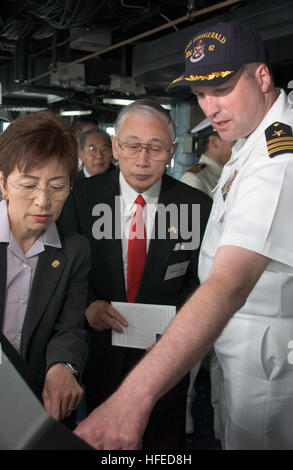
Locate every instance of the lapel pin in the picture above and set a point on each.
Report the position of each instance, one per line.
(172, 229)
(179, 246)
(55, 263)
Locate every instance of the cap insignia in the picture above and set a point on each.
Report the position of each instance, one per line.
(198, 52)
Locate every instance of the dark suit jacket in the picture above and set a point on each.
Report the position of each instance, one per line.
(81, 174)
(53, 329)
(106, 277)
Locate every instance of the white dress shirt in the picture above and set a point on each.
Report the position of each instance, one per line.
(85, 172)
(127, 210)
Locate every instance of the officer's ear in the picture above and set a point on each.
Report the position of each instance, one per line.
(214, 141)
(264, 78)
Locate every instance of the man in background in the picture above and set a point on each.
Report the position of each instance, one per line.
(83, 124)
(95, 152)
(214, 153)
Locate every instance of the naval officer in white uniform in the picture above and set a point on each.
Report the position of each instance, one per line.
(214, 153)
(246, 269)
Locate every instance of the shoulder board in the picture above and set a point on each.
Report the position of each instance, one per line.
(197, 168)
(279, 139)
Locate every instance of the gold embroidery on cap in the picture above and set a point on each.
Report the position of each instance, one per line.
(178, 79)
(211, 76)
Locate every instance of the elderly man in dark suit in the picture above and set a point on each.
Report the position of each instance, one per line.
(144, 146)
(95, 152)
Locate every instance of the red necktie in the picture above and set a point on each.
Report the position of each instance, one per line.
(136, 255)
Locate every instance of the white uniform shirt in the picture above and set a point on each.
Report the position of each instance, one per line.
(253, 209)
(206, 178)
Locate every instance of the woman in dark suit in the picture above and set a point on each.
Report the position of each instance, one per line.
(44, 266)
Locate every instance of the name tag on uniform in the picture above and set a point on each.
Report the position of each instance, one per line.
(176, 270)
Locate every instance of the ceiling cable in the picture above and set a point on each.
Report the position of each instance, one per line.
(194, 14)
(131, 6)
(168, 19)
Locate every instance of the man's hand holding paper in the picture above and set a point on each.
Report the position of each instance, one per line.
(102, 316)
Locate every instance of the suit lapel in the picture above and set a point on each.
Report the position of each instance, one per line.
(50, 266)
(114, 254)
(3, 267)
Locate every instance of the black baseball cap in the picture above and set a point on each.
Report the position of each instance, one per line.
(214, 55)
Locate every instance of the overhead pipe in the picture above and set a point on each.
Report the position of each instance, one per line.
(187, 17)
(21, 61)
(54, 50)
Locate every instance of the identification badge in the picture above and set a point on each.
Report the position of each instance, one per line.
(176, 270)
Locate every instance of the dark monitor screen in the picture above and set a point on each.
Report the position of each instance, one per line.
(24, 423)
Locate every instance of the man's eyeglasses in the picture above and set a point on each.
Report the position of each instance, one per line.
(57, 192)
(92, 149)
(155, 151)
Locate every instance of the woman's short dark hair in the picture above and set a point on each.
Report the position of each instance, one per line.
(32, 140)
